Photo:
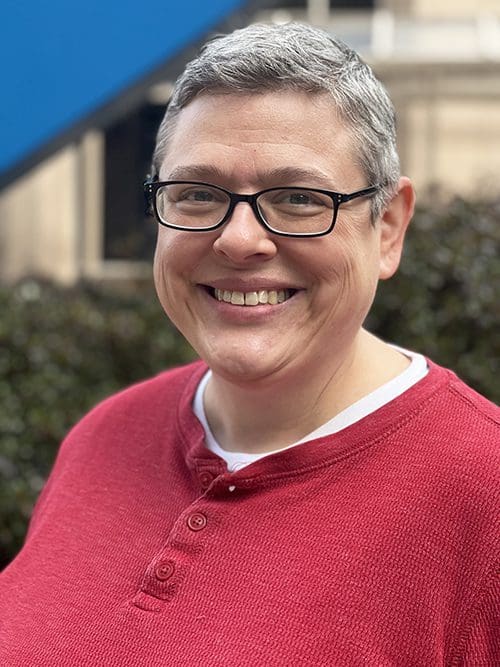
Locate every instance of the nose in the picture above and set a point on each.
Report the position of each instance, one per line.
(243, 239)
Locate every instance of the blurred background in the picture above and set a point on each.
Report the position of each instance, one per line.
(83, 99)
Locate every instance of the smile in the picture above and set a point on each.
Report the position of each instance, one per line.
(258, 298)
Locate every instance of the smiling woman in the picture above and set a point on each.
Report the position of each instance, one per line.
(305, 494)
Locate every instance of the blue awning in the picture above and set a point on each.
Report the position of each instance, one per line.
(63, 61)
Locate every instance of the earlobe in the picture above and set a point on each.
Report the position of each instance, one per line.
(393, 225)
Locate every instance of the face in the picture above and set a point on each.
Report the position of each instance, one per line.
(246, 144)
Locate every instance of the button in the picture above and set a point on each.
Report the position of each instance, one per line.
(164, 570)
(205, 478)
(196, 521)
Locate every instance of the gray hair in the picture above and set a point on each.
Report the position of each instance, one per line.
(264, 57)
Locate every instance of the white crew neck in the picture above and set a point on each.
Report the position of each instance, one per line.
(370, 403)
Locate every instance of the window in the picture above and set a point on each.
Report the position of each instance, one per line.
(128, 233)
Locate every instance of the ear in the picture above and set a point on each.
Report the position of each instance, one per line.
(393, 225)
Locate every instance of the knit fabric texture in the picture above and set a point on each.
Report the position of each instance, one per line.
(375, 546)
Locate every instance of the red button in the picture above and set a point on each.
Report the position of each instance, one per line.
(196, 521)
(164, 570)
(205, 478)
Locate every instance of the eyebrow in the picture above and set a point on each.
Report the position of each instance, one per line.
(277, 176)
(188, 172)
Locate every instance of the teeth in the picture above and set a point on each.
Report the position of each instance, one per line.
(251, 299)
(271, 297)
(237, 298)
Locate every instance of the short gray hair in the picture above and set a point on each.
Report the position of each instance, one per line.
(265, 57)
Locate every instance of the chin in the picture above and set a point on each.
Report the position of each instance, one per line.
(247, 370)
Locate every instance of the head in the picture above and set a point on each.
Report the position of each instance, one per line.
(266, 58)
(278, 107)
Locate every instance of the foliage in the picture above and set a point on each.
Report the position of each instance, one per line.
(444, 299)
(62, 350)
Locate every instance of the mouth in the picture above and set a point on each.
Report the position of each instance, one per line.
(254, 298)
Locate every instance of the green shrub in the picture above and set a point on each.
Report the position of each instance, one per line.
(444, 299)
(62, 350)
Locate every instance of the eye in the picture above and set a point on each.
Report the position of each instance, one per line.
(192, 196)
(197, 194)
(299, 198)
(296, 202)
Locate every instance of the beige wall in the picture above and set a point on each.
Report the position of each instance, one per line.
(442, 8)
(454, 143)
(37, 221)
(454, 8)
(51, 218)
(449, 124)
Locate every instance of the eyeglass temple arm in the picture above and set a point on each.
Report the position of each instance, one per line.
(148, 193)
(360, 193)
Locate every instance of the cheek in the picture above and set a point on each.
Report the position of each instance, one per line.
(351, 270)
(168, 243)
(160, 264)
(176, 253)
(177, 258)
(167, 265)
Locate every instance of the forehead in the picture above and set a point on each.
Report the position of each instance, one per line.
(253, 133)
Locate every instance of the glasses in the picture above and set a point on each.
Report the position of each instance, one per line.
(287, 211)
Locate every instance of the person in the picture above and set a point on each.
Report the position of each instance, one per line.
(305, 494)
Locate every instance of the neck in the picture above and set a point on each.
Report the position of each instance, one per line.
(267, 415)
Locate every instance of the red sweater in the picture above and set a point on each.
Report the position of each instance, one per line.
(375, 546)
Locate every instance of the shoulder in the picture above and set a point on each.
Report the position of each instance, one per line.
(138, 414)
(161, 392)
(473, 403)
(170, 382)
(456, 414)
(111, 439)
(446, 428)
(456, 437)
(451, 446)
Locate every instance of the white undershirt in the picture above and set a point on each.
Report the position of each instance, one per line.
(366, 405)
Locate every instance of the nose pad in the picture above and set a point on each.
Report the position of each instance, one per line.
(243, 236)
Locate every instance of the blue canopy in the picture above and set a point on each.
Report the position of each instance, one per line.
(64, 61)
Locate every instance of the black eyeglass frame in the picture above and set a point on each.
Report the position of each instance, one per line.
(151, 186)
